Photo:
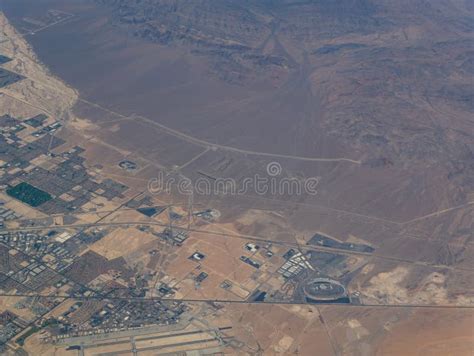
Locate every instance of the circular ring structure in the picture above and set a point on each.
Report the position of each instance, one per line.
(324, 289)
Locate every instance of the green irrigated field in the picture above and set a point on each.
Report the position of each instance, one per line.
(28, 194)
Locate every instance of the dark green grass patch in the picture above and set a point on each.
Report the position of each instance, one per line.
(28, 194)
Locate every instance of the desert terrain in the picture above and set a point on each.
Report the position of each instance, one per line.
(100, 98)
